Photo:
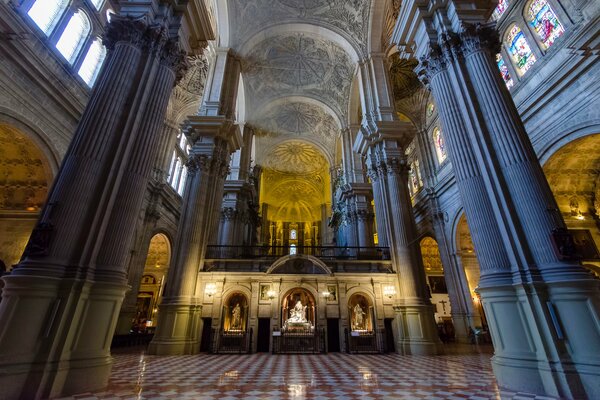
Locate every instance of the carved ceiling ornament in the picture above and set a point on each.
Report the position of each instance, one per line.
(295, 157)
(350, 18)
(299, 120)
(299, 65)
(573, 171)
(24, 172)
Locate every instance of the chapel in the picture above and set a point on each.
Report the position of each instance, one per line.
(412, 180)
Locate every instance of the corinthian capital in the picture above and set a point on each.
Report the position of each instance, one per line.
(152, 38)
(478, 37)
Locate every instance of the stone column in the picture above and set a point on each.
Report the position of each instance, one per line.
(533, 290)
(60, 305)
(388, 166)
(179, 327)
(464, 314)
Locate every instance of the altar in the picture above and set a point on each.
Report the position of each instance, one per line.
(298, 331)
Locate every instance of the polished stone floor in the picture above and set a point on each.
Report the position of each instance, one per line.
(462, 373)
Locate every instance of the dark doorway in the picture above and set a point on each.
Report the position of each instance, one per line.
(390, 347)
(264, 335)
(206, 341)
(333, 335)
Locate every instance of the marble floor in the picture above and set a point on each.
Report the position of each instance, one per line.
(333, 376)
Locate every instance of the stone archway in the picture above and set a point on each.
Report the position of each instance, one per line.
(298, 310)
(25, 178)
(152, 284)
(573, 172)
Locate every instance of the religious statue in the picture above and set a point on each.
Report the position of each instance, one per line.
(298, 313)
(236, 317)
(359, 319)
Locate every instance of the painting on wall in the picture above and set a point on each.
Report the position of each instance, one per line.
(437, 284)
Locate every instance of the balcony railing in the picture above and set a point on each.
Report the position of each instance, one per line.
(274, 252)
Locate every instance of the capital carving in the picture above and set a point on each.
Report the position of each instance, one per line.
(152, 38)
(477, 37)
(229, 213)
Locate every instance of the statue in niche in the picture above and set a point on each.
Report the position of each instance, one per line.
(359, 317)
(298, 313)
(236, 317)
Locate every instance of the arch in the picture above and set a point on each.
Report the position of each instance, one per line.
(328, 154)
(518, 48)
(296, 304)
(377, 24)
(354, 105)
(74, 36)
(25, 182)
(565, 137)
(361, 312)
(280, 262)
(92, 62)
(46, 14)
(222, 23)
(430, 252)
(273, 102)
(542, 19)
(235, 312)
(41, 140)
(283, 28)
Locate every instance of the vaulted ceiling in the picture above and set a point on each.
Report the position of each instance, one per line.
(299, 61)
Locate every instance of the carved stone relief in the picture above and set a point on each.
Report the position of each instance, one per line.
(299, 65)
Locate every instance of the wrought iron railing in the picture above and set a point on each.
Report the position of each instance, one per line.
(231, 342)
(365, 342)
(299, 341)
(272, 252)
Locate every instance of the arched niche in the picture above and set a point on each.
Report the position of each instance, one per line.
(25, 179)
(466, 252)
(361, 312)
(298, 310)
(235, 313)
(573, 173)
(152, 283)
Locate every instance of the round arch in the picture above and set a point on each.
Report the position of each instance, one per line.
(274, 102)
(283, 28)
(565, 137)
(361, 312)
(38, 137)
(280, 262)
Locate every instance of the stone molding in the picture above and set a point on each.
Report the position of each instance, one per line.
(151, 38)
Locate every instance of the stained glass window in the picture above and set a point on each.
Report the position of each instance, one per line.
(500, 9)
(440, 146)
(293, 234)
(73, 36)
(430, 109)
(504, 71)
(543, 20)
(46, 13)
(519, 49)
(415, 177)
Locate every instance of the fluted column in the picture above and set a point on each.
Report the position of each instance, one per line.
(528, 286)
(417, 332)
(179, 324)
(68, 288)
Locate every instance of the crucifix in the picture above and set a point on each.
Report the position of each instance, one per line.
(443, 303)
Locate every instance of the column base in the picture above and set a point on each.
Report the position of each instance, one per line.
(546, 337)
(416, 330)
(463, 323)
(56, 336)
(178, 331)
